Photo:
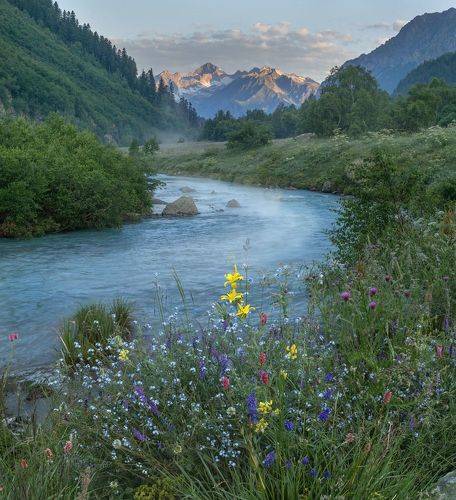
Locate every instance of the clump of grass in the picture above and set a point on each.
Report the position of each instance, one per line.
(91, 327)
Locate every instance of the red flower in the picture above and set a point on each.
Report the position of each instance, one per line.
(23, 463)
(262, 358)
(439, 351)
(263, 319)
(387, 397)
(225, 382)
(68, 447)
(13, 336)
(264, 377)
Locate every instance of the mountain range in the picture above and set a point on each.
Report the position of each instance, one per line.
(210, 89)
(424, 38)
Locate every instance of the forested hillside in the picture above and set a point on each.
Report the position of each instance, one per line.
(50, 63)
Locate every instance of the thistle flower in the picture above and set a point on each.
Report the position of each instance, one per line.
(269, 459)
(373, 305)
(373, 291)
(345, 296)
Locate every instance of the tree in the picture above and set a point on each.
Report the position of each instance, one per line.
(151, 146)
(133, 150)
(249, 136)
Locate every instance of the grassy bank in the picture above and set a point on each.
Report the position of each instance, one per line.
(310, 163)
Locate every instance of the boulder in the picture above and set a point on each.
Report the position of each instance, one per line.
(187, 189)
(327, 187)
(233, 204)
(157, 201)
(185, 205)
(445, 488)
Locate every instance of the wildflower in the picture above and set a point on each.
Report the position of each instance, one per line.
(232, 296)
(372, 291)
(225, 381)
(269, 459)
(288, 464)
(387, 397)
(13, 336)
(265, 407)
(231, 411)
(329, 377)
(439, 351)
(324, 415)
(68, 447)
(243, 310)
(289, 425)
(373, 305)
(23, 463)
(233, 278)
(388, 278)
(49, 454)
(139, 436)
(345, 296)
(326, 474)
(252, 411)
(114, 485)
(202, 369)
(292, 351)
(283, 374)
(263, 319)
(313, 472)
(261, 425)
(123, 354)
(349, 438)
(305, 460)
(117, 444)
(177, 450)
(262, 358)
(407, 294)
(264, 377)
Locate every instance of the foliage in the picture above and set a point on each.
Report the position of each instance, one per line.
(55, 178)
(151, 146)
(249, 136)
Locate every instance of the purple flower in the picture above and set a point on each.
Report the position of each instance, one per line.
(269, 459)
(139, 391)
(372, 291)
(252, 408)
(224, 363)
(326, 474)
(329, 377)
(313, 472)
(288, 464)
(324, 415)
(345, 296)
(139, 436)
(289, 425)
(373, 305)
(202, 369)
(153, 407)
(305, 460)
(327, 394)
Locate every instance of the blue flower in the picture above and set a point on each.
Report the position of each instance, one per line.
(252, 408)
(305, 460)
(324, 415)
(289, 425)
(139, 435)
(329, 377)
(326, 474)
(269, 459)
(313, 472)
(327, 394)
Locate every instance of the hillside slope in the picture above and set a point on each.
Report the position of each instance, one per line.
(444, 67)
(40, 74)
(424, 38)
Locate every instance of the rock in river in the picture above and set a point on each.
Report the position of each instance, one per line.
(157, 201)
(233, 204)
(184, 205)
(187, 189)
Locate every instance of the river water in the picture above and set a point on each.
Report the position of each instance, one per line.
(43, 280)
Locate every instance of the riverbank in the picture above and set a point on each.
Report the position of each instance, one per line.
(310, 163)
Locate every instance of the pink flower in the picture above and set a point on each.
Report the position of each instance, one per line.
(373, 305)
(225, 382)
(49, 453)
(388, 278)
(345, 296)
(263, 319)
(264, 377)
(68, 447)
(439, 349)
(262, 358)
(387, 397)
(373, 291)
(13, 336)
(23, 463)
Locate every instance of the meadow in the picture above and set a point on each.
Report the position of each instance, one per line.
(353, 397)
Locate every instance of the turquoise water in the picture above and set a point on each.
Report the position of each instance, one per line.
(45, 279)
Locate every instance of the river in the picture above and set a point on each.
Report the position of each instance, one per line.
(44, 279)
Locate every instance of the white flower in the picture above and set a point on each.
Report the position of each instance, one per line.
(231, 411)
(117, 443)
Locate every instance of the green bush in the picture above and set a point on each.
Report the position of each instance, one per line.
(249, 136)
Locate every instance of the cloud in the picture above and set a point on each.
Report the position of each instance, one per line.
(279, 45)
(394, 26)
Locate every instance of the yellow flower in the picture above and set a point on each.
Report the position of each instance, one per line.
(276, 412)
(243, 310)
(261, 425)
(283, 374)
(265, 407)
(177, 450)
(123, 355)
(233, 278)
(292, 351)
(232, 296)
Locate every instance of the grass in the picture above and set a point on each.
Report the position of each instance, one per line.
(309, 163)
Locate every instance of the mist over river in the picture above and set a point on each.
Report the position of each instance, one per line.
(44, 280)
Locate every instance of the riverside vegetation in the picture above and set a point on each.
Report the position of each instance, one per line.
(353, 397)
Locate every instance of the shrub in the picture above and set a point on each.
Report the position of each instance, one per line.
(249, 136)
(151, 146)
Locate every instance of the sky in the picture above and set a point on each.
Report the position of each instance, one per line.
(306, 37)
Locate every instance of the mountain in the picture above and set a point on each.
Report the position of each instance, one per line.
(424, 38)
(50, 63)
(210, 89)
(444, 67)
